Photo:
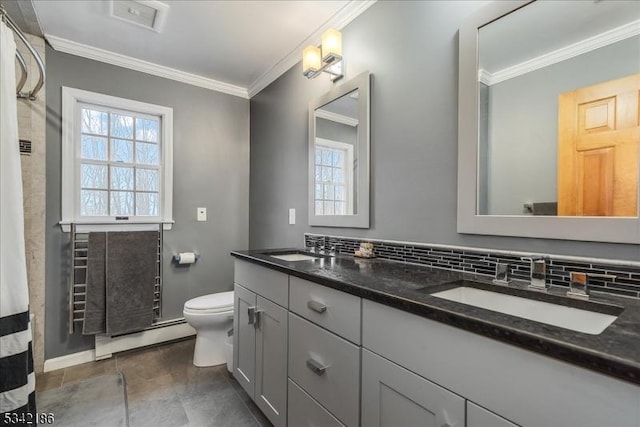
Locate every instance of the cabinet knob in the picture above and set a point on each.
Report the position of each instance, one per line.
(316, 306)
(317, 367)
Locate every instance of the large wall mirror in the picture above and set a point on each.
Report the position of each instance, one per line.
(549, 120)
(339, 156)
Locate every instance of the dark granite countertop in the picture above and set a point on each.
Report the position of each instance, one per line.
(408, 287)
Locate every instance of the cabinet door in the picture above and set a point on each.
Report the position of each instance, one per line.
(304, 411)
(480, 417)
(395, 397)
(244, 339)
(271, 361)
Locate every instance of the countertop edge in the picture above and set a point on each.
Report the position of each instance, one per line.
(622, 369)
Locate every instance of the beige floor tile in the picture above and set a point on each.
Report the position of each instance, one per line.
(49, 380)
(153, 389)
(88, 370)
(140, 365)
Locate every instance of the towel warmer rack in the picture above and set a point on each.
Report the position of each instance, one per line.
(78, 285)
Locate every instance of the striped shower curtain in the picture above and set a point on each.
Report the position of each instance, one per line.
(17, 379)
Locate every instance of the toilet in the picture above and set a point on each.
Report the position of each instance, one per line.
(211, 316)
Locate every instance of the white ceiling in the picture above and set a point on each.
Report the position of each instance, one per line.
(234, 46)
(546, 26)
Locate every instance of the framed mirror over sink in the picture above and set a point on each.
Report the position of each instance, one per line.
(339, 156)
(549, 120)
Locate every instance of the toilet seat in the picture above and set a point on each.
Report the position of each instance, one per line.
(212, 303)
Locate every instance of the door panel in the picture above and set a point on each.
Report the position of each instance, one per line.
(244, 340)
(392, 396)
(598, 138)
(480, 417)
(271, 361)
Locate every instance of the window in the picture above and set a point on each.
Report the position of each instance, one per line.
(333, 183)
(117, 160)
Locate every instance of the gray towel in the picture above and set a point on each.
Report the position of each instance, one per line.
(130, 280)
(94, 312)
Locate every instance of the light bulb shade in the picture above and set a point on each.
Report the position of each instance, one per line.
(311, 61)
(331, 46)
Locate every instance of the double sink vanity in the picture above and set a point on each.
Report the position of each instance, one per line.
(338, 340)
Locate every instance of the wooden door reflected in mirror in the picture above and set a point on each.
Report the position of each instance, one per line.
(598, 138)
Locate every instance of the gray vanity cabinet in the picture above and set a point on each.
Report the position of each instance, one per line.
(303, 410)
(393, 396)
(480, 417)
(505, 379)
(260, 338)
(244, 340)
(260, 362)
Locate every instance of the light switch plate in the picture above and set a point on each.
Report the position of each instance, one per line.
(202, 214)
(292, 216)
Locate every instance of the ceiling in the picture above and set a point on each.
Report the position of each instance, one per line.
(549, 26)
(237, 47)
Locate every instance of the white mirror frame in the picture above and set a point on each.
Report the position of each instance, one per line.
(597, 229)
(360, 219)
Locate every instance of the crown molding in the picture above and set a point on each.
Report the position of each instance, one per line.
(78, 49)
(485, 77)
(335, 117)
(587, 45)
(340, 20)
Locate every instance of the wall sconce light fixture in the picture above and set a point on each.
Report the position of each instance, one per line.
(324, 58)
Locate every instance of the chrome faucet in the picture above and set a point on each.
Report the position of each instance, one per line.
(538, 273)
(325, 246)
(579, 284)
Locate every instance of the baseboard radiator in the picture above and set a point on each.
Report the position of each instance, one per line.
(161, 332)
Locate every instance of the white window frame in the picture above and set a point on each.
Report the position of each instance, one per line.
(71, 103)
(348, 170)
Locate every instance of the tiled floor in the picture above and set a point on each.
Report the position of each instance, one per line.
(164, 388)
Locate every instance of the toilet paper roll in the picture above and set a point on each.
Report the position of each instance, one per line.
(186, 258)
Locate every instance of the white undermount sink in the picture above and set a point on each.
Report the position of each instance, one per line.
(575, 319)
(294, 257)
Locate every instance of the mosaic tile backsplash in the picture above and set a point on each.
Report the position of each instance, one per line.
(480, 261)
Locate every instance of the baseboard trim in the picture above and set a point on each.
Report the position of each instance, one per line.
(106, 346)
(69, 360)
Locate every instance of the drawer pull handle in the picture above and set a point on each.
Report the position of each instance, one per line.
(251, 312)
(317, 367)
(316, 306)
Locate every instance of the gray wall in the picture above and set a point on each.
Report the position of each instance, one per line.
(211, 169)
(523, 132)
(334, 131)
(411, 48)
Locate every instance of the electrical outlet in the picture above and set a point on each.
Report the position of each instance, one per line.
(202, 214)
(292, 216)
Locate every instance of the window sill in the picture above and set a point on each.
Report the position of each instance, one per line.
(113, 225)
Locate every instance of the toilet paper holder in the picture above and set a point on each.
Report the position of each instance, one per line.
(176, 257)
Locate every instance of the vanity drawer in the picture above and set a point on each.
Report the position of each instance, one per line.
(266, 282)
(327, 367)
(332, 309)
(305, 411)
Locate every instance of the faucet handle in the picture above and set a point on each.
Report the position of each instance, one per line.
(503, 273)
(538, 272)
(579, 283)
(310, 245)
